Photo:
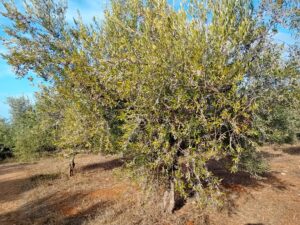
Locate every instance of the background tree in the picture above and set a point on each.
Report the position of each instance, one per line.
(31, 132)
(22, 122)
(5, 139)
(278, 118)
(71, 59)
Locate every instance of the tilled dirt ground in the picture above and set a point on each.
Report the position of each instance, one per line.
(42, 193)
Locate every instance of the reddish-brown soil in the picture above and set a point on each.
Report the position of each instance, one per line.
(42, 193)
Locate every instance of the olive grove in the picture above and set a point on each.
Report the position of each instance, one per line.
(170, 89)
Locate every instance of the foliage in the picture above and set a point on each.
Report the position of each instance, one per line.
(69, 58)
(280, 125)
(193, 88)
(277, 120)
(5, 139)
(29, 135)
(169, 89)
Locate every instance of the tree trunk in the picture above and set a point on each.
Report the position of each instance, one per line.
(172, 198)
(198, 182)
(165, 200)
(72, 165)
(169, 199)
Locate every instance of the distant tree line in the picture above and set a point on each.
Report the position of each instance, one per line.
(170, 89)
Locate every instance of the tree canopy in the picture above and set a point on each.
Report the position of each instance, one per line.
(170, 89)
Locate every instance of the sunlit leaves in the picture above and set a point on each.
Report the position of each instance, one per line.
(170, 89)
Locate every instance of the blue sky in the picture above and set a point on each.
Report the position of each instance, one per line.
(11, 86)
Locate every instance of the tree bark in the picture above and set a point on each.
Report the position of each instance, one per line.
(198, 182)
(169, 199)
(72, 165)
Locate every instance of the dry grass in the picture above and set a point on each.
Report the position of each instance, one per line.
(42, 193)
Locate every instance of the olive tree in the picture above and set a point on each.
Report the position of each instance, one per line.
(171, 89)
(193, 81)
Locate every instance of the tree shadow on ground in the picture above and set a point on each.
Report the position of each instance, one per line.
(12, 189)
(295, 150)
(39, 179)
(107, 165)
(235, 185)
(254, 224)
(243, 179)
(269, 155)
(58, 208)
(7, 168)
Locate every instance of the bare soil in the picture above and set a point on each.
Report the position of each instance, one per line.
(42, 193)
